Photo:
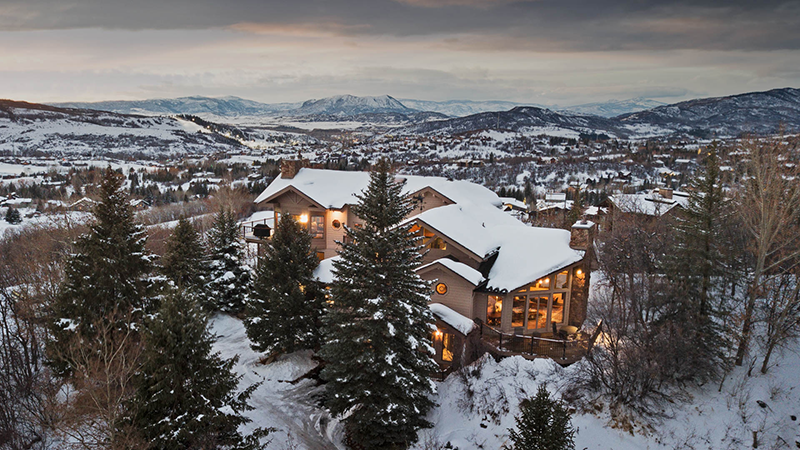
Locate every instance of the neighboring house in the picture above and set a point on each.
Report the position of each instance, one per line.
(483, 263)
(658, 204)
(83, 204)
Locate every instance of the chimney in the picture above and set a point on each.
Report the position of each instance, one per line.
(665, 193)
(582, 234)
(290, 167)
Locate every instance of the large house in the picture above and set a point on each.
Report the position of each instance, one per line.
(485, 263)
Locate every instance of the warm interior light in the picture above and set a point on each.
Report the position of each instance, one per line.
(303, 218)
(579, 272)
(437, 334)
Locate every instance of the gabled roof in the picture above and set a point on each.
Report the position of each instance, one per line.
(336, 188)
(650, 204)
(523, 253)
(464, 271)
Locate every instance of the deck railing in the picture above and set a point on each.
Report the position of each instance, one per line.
(247, 228)
(563, 350)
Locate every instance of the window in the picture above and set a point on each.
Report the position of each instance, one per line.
(494, 310)
(336, 224)
(447, 347)
(441, 289)
(518, 311)
(562, 280)
(537, 313)
(542, 284)
(439, 244)
(316, 228)
(557, 314)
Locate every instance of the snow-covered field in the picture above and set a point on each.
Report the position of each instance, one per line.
(476, 409)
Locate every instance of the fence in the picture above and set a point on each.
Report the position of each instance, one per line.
(564, 351)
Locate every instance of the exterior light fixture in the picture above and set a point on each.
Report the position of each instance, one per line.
(303, 218)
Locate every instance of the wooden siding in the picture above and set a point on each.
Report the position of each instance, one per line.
(459, 291)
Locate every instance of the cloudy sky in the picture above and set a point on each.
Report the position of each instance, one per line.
(561, 52)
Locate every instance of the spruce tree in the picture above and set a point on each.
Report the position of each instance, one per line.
(378, 328)
(229, 277)
(285, 306)
(543, 424)
(106, 276)
(185, 261)
(696, 270)
(186, 394)
(13, 216)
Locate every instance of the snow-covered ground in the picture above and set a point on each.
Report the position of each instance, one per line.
(476, 409)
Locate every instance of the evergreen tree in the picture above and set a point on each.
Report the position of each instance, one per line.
(13, 216)
(184, 261)
(543, 424)
(230, 277)
(285, 306)
(378, 327)
(106, 276)
(696, 270)
(185, 394)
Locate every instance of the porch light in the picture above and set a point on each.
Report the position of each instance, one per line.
(303, 218)
(579, 272)
(437, 334)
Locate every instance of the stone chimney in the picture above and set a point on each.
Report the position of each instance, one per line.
(582, 234)
(665, 193)
(290, 167)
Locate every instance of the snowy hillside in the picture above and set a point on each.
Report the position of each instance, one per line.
(612, 108)
(204, 106)
(460, 108)
(33, 127)
(477, 406)
(349, 105)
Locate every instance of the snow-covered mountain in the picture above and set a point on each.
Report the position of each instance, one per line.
(223, 106)
(755, 112)
(29, 127)
(612, 108)
(350, 105)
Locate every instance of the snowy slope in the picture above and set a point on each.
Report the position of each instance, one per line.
(349, 105)
(612, 108)
(476, 409)
(215, 106)
(34, 127)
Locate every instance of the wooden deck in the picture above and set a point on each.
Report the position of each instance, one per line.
(562, 351)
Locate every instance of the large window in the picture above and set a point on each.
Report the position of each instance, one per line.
(494, 310)
(557, 314)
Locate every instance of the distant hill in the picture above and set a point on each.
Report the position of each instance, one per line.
(30, 127)
(222, 106)
(350, 105)
(612, 108)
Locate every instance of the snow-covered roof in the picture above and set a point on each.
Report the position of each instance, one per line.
(651, 204)
(336, 188)
(529, 253)
(464, 271)
(524, 253)
(324, 271)
(469, 225)
(514, 202)
(462, 324)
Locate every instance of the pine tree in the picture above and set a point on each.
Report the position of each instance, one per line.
(13, 216)
(185, 261)
(285, 307)
(230, 277)
(696, 270)
(378, 328)
(106, 276)
(186, 394)
(543, 424)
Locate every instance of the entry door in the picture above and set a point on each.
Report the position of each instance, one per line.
(538, 317)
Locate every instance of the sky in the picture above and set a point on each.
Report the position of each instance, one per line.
(551, 52)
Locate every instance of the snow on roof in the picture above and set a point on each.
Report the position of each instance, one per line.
(469, 225)
(650, 204)
(464, 271)
(529, 253)
(514, 202)
(324, 271)
(452, 318)
(336, 188)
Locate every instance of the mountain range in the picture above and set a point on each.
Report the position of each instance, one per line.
(182, 126)
(342, 105)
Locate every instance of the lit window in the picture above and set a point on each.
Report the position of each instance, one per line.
(561, 280)
(441, 289)
(494, 310)
(439, 244)
(317, 227)
(447, 347)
